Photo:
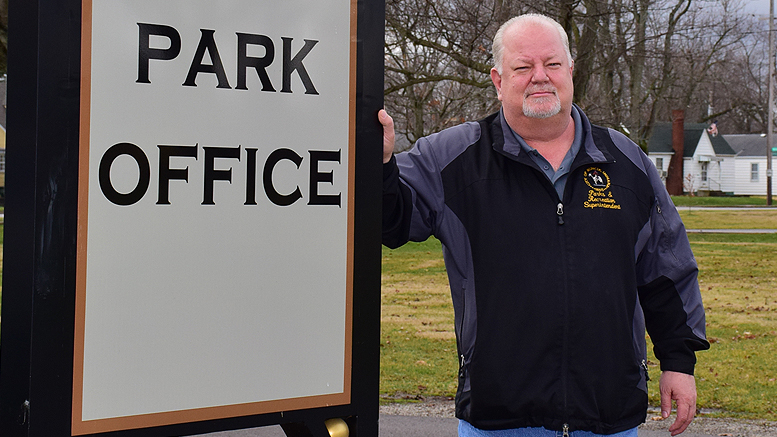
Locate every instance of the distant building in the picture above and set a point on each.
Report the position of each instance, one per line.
(708, 160)
(750, 162)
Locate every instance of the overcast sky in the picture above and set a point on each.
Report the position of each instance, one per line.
(758, 6)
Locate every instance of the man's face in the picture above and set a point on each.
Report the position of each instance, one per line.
(536, 78)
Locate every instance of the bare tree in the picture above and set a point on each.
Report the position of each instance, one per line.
(438, 60)
(635, 61)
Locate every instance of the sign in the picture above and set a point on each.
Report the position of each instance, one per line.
(186, 140)
(217, 217)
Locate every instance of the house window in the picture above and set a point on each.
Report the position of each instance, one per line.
(2, 160)
(660, 166)
(754, 172)
(704, 171)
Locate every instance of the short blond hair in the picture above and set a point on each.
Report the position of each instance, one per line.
(498, 47)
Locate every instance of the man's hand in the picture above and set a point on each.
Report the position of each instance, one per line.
(388, 134)
(681, 388)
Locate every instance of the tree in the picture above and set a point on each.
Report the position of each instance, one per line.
(635, 61)
(437, 64)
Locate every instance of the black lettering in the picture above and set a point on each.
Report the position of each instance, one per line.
(146, 53)
(207, 42)
(166, 174)
(316, 177)
(250, 176)
(211, 174)
(260, 64)
(104, 174)
(269, 165)
(295, 64)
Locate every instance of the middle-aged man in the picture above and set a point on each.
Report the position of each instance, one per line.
(561, 246)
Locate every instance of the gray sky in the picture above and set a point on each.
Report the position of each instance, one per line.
(758, 6)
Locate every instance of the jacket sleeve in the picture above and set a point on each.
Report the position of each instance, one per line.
(668, 286)
(413, 195)
(397, 207)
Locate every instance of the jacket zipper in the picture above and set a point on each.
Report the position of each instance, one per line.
(566, 328)
(461, 348)
(560, 213)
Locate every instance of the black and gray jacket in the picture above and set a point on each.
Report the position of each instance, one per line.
(551, 296)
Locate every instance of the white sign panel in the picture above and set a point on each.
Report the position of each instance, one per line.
(215, 224)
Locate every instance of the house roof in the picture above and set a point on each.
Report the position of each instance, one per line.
(749, 144)
(661, 140)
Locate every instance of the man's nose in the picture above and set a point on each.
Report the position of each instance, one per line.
(539, 75)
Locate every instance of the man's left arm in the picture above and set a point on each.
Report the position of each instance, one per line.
(671, 301)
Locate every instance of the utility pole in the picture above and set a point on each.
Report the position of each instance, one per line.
(770, 128)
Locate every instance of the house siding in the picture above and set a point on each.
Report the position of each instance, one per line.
(744, 185)
(663, 169)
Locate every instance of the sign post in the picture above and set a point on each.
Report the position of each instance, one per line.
(192, 216)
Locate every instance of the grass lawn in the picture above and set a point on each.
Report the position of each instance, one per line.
(418, 346)
(738, 281)
(738, 278)
(719, 201)
(758, 219)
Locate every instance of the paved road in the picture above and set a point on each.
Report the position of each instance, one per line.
(408, 426)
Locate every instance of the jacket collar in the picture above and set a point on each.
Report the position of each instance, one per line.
(508, 146)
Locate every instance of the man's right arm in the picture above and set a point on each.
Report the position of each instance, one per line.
(397, 198)
(388, 135)
(413, 193)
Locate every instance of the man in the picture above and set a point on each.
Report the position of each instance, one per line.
(561, 245)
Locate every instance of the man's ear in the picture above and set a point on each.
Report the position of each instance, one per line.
(496, 78)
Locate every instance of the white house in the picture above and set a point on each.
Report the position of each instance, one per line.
(708, 160)
(750, 163)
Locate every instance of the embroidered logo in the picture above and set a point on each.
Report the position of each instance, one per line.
(599, 195)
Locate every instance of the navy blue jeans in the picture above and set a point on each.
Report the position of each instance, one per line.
(467, 430)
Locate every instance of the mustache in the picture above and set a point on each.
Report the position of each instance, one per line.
(541, 89)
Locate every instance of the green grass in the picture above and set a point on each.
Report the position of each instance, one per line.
(417, 335)
(738, 279)
(758, 219)
(719, 201)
